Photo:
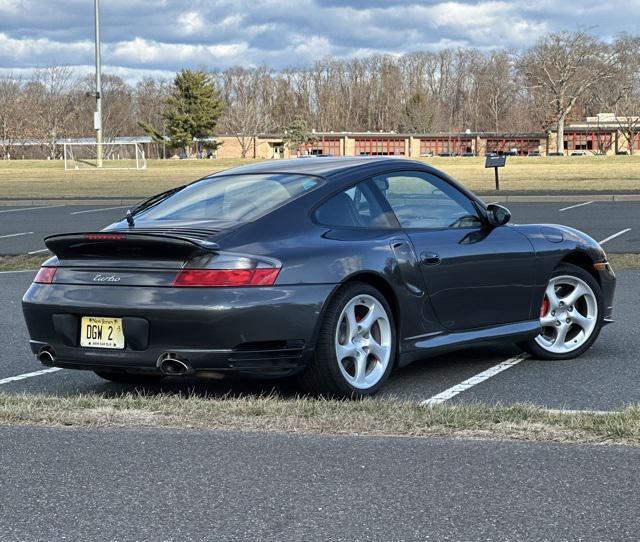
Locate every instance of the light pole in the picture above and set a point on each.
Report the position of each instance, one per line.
(97, 116)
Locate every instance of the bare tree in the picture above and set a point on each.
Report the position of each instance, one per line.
(564, 66)
(51, 98)
(11, 114)
(497, 85)
(627, 107)
(246, 113)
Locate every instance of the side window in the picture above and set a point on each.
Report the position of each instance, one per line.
(356, 207)
(421, 200)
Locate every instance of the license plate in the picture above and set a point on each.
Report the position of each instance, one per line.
(101, 332)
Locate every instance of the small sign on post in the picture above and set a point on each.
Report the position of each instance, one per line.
(496, 162)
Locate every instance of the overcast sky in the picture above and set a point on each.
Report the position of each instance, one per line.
(158, 37)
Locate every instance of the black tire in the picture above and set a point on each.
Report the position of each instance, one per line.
(130, 378)
(323, 374)
(536, 351)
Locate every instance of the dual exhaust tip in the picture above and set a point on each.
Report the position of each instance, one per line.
(173, 365)
(47, 356)
(169, 364)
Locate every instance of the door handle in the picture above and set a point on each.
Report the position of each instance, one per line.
(429, 258)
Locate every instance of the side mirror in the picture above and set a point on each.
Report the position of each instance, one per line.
(498, 215)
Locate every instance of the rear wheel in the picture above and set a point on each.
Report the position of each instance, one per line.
(356, 344)
(129, 378)
(571, 315)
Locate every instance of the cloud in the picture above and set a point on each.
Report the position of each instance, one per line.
(164, 36)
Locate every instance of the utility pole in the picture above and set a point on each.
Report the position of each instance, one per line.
(97, 116)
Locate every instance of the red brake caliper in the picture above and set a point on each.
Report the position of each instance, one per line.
(544, 308)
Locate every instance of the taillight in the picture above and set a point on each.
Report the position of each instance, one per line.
(226, 277)
(104, 237)
(45, 275)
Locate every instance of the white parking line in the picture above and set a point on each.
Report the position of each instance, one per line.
(16, 234)
(474, 380)
(101, 209)
(18, 271)
(614, 236)
(31, 208)
(574, 206)
(29, 375)
(38, 251)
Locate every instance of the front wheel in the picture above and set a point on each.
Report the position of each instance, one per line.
(571, 315)
(356, 344)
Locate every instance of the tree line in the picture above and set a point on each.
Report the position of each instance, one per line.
(563, 76)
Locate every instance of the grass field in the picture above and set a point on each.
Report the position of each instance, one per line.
(46, 179)
(317, 415)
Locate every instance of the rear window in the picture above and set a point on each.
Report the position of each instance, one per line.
(236, 198)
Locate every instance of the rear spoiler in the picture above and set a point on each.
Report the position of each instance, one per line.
(127, 245)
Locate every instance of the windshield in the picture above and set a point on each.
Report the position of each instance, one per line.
(236, 198)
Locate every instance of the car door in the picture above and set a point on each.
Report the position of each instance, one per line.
(476, 276)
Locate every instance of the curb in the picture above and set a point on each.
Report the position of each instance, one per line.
(79, 201)
(578, 198)
(498, 198)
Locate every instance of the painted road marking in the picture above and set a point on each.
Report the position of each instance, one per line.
(16, 234)
(18, 271)
(31, 208)
(574, 206)
(101, 209)
(474, 380)
(29, 375)
(38, 251)
(614, 236)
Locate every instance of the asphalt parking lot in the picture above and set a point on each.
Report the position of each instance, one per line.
(605, 378)
(173, 484)
(22, 229)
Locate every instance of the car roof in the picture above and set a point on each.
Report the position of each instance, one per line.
(323, 167)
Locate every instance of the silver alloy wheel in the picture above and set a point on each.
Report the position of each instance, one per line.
(363, 341)
(568, 315)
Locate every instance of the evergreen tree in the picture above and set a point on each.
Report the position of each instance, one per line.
(298, 133)
(191, 111)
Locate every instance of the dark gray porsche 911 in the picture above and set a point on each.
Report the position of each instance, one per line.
(334, 270)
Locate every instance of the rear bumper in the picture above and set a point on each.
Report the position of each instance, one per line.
(242, 329)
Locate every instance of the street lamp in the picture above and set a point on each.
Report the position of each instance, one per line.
(97, 116)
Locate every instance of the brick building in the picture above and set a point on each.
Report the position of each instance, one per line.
(601, 134)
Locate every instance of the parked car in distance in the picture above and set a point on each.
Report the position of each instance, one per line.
(334, 271)
(579, 152)
(468, 154)
(555, 153)
(534, 153)
(446, 154)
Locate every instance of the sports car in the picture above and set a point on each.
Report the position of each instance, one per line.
(335, 271)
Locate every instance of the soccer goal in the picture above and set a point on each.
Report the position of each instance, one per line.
(114, 156)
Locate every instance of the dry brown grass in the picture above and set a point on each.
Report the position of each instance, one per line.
(21, 262)
(46, 179)
(313, 415)
(624, 261)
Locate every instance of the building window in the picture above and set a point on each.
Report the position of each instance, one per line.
(521, 146)
(322, 147)
(380, 147)
(599, 142)
(436, 146)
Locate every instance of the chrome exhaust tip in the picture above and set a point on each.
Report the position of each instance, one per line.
(47, 356)
(173, 365)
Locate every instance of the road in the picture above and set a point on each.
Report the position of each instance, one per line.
(22, 229)
(146, 484)
(605, 378)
